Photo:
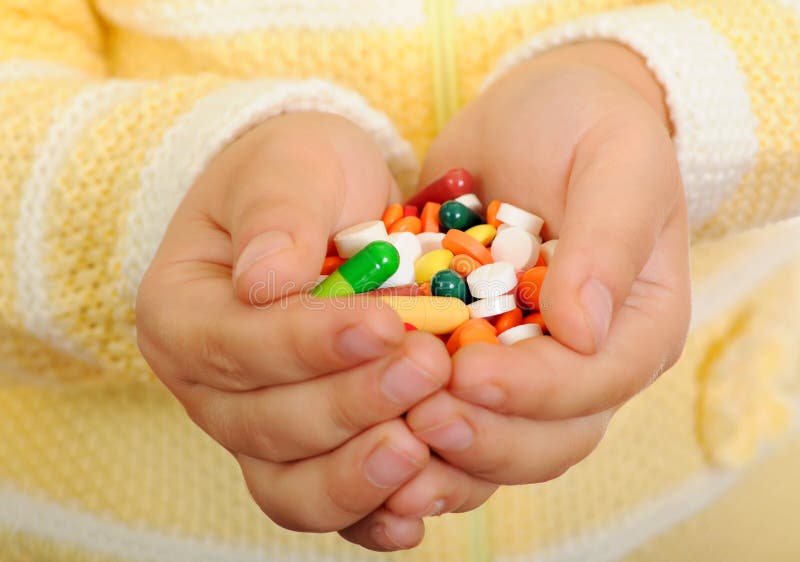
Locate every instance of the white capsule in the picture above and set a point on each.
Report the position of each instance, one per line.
(409, 249)
(484, 308)
(548, 250)
(492, 280)
(514, 216)
(352, 239)
(519, 333)
(471, 201)
(517, 246)
(430, 241)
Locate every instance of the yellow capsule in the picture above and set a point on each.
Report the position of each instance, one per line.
(483, 233)
(437, 315)
(428, 265)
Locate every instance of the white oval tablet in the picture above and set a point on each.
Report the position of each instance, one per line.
(483, 308)
(471, 201)
(517, 246)
(548, 250)
(492, 280)
(430, 241)
(514, 216)
(519, 333)
(352, 239)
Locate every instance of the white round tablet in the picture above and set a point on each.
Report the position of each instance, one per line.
(405, 275)
(492, 280)
(407, 245)
(430, 241)
(519, 333)
(516, 246)
(548, 250)
(471, 201)
(514, 216)
(484, 308)
(352, 239)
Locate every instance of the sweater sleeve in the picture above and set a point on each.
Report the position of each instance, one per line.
(731, 73)
(93, 169)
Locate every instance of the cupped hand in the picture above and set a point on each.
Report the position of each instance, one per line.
(581, 137)
(307, 394)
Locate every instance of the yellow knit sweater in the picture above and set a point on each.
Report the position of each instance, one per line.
(110, 109)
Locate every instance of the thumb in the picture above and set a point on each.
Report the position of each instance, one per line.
(619, 197)
(292, 198)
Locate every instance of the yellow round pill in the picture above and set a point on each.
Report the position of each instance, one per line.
(429, 264)
(483, 233)
(437, 315)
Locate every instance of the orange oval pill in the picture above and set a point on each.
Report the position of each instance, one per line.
(430, 217)
(331, 264)
(540, 262)
(535, 318)
(476, 334)
(491, 214)
(425, 290)
(508, 320)
(453, 342)
(530, 286)
(464, 264)
(407, 224)
(459, 242)
(392, 214)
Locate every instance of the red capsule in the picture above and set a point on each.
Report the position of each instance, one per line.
(409, 327)
(410, 211)
(452, 184)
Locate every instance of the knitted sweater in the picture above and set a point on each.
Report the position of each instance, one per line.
(109, 110)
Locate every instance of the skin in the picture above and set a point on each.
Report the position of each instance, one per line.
(581, 136)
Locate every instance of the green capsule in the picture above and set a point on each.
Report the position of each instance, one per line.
(453, 214)
(365, 271)
(448, 283)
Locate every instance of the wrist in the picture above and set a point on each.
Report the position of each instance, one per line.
(619, 60)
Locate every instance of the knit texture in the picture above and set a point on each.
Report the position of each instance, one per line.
(111, 109)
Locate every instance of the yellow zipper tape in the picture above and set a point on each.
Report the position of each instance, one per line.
(441, 24)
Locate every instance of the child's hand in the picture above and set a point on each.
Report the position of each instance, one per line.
(307, 394)
(579, 136)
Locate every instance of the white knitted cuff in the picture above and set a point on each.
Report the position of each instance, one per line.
(715, 129)
(213, 122)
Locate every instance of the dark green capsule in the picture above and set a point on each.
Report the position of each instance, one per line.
(448, 283)
(365, 271)
(453, 214)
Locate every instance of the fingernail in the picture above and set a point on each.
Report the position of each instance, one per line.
(453, 436)
(597, 305)
(487, 395)
(435, 508)
(263, 245)
(405, 382)
(358, 342)
(381, 536)
(388, 467)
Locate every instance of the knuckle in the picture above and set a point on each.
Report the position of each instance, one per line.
(216, 356)
(343, 502)
(283, 509)
(345, 419)
(258, 438)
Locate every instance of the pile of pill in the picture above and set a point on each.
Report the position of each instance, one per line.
(446, 265)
